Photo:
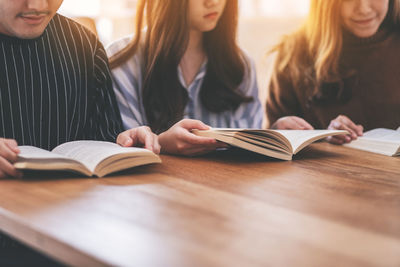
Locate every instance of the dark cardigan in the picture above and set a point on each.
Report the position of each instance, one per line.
(367, 91)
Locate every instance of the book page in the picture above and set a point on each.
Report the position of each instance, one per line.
(31, 152)
(380, 140)
(383, 135)
(91, 153)
(298, 138)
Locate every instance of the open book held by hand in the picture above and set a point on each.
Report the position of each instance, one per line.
(380, 140)
(91, 158)
(281, 144)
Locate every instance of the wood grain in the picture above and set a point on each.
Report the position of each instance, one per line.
(330, 206)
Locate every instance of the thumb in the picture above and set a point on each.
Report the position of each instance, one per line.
(124, 139)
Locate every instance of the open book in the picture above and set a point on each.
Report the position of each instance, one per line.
(381, 141)
(281, 144)
(91, 158)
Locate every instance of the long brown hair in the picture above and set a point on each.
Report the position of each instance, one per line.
(165, 42)
(312, 53)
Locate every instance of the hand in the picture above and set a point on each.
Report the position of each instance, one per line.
(179, 140)
(291, 123)
(139, 136)
(8, 155)
(344, 123)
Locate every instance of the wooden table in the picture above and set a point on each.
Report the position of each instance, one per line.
(331, 206)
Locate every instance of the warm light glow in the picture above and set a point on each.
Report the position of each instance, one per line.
(112, 16)
(274, 8)
(87, 8)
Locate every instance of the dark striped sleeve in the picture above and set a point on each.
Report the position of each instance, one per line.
(106, 118)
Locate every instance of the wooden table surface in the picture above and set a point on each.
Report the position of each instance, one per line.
(330, 206)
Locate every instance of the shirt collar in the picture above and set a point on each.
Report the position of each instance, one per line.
(200, 75)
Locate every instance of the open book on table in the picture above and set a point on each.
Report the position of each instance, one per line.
(91, 158)
(281, 144)
(381, 141)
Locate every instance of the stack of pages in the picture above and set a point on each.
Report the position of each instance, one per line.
(281, 144)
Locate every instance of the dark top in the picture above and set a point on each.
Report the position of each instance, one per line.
(56, 88)
(368, 91)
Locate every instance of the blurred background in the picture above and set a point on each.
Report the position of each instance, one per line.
(262, 24)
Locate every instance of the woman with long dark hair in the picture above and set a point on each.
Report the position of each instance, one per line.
(341, 70)
(182, 70)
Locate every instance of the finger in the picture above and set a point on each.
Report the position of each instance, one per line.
(337, 125)
(360, 131)
(303, 123)
(124, 139)
(145, 137)
(351, 136)
(290, 123)
(157, 148)
(8, 169)
(141, 135)
(351, 125)
(188, 137)
(193, 124)
(13, 145)
(297, 125)
(156, 145)
(284, 124)
(344, 138)
(7, 152)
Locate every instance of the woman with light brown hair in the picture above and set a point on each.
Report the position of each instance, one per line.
(341, 70)
(182, 70)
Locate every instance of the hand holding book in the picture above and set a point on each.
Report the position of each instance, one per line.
(91, 158)
(139, 135)
(35, 158)
(8, 155)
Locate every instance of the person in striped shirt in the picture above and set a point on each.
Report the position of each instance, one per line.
(55, 84)
(183, 70)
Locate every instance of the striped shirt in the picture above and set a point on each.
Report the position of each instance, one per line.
(56, 88)
(128, 82)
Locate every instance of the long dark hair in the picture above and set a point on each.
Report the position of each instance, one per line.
(165, 43)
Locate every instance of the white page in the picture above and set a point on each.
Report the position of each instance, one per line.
(383, 135)
(298, 137)
(91, 153)
(31, 152)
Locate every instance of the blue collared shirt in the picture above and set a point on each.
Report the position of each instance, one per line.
(128, 82)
